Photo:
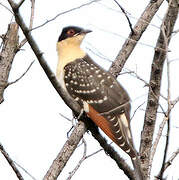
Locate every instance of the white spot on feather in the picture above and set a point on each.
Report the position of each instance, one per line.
(122, 144)
(85, 106)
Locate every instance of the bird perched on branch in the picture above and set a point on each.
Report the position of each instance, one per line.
(99, 94)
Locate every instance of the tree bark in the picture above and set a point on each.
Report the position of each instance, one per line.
(9, 49)
(155, 85)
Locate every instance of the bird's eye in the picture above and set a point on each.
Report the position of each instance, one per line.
(71, 32)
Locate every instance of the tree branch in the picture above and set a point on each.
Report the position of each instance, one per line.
(31, 22)
(169, 162)
(9, 49)
(10, 83)
(11, 162)
(155, 84)
(124, 12)
(80, 161)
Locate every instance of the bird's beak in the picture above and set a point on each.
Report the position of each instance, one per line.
(85, 31)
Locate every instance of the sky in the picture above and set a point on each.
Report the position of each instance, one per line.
(31, 127)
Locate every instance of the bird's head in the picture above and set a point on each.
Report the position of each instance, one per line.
(73, 34)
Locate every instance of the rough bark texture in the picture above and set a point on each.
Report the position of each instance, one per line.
(9, 49)
(155, 84)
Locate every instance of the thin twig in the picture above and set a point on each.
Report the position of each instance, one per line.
(68, 119)
(25, 170)
(169, 162)
(134, 74)
(92, 154)
(136, 110)
(65, 12)
(31, 22)
(80, 162)
(84, 157)
(129, 15)
(6, 8)
(175, 101)
(155, 144)
(122, 9)
(11, 162)
(13, 82)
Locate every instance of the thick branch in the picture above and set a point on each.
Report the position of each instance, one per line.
(133, 38)
(155, 84)
(10, 45)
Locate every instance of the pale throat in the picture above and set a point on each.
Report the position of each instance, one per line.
(68, 51)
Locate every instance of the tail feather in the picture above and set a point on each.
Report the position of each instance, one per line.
(117, 128)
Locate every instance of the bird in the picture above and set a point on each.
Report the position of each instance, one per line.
(96, 90)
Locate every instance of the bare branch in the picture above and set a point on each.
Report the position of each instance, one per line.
(155, 84)
(11, 162)
(136, 110)
(155, 144)
(10, 83)
(133, 73)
